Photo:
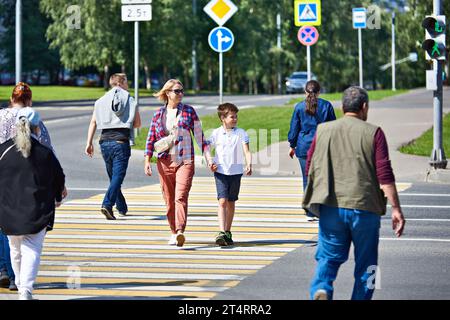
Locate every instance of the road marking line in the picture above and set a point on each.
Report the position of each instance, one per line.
(416, 239)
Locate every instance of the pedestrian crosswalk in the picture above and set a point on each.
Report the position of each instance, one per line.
(89, 257)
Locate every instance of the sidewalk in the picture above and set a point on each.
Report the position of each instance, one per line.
(402, 118)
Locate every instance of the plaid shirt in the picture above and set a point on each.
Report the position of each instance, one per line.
(184, 147)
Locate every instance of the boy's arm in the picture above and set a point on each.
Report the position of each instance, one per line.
(248, 159)
(209, 160)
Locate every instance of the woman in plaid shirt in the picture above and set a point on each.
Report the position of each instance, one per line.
(175, 165)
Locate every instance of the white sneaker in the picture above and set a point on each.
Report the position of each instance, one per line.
(320, 294)
(173, 239)
(180, 239)
(311, 219)
(25, 295)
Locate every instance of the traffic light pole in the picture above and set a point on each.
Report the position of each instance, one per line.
(438, 160)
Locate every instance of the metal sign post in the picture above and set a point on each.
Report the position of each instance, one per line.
(136, 10)
(359, 22)
(308, 36)
(136, 62)
(393, 52)
(220, 39)
(307, 13)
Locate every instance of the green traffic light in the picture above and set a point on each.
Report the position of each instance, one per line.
(435, 49)
(437, 27)
(432, 47)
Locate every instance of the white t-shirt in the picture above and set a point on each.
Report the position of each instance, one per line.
(229, 146)
(171, 121)
(171, 118)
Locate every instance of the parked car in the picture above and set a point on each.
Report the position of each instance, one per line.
(296, 82)
(7, 78)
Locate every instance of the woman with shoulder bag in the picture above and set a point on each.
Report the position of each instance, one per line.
(170, 136)
(31, 186)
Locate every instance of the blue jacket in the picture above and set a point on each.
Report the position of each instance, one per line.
(303, 125)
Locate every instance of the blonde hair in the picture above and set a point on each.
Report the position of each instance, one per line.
(23, 137)
(117, 78)
(161, 94)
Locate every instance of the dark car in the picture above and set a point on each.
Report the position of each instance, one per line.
(297, 81)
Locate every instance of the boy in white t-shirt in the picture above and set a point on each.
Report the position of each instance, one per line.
(232, 145)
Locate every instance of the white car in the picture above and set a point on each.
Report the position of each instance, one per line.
(297, 81)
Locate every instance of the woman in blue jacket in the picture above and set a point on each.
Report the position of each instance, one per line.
(308, 114)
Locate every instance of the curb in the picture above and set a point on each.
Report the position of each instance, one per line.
(438, 176)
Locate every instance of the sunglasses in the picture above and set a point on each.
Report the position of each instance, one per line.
(177, 91)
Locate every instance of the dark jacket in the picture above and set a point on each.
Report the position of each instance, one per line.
(29, 188)
(303, 125)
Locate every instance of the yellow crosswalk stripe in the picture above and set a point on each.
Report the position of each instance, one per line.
(87, 256)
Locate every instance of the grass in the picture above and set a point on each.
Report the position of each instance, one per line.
(264, 125)
(423, 145)
(65, 93)
(373, 95)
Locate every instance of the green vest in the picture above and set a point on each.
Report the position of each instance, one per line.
(342, 173)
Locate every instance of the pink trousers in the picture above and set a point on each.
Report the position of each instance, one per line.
(176, 182)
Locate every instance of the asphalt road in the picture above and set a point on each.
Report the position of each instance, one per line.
(68, 124)
(415, 266)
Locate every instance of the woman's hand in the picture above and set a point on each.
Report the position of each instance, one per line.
(64, 193)
(148, 167)
(291, 153)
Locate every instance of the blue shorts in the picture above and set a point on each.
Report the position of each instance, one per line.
(228, 186)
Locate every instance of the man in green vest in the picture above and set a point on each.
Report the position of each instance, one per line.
(349, 174)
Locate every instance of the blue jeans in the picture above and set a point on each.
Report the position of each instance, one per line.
(338, 228)
(116, 156)
(302, 161)
(5, 257)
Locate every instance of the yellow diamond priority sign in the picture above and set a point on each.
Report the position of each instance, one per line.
(220, 10)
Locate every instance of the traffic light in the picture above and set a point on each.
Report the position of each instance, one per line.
(434, 43)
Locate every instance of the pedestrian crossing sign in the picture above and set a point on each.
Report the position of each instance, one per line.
(307, 13)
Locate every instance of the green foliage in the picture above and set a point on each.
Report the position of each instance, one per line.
(252, 66)
(36, 54)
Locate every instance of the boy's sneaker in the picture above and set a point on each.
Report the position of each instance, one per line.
(221, 239)
(122, 213)
(228, 238)
(4, 279)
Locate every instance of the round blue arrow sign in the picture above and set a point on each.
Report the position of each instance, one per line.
(221, 39)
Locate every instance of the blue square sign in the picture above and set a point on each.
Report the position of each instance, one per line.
(307, 12)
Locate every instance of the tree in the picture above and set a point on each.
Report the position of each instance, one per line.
(101, 39)
(36, 54)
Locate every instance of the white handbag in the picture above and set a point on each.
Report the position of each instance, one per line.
(165, 143)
